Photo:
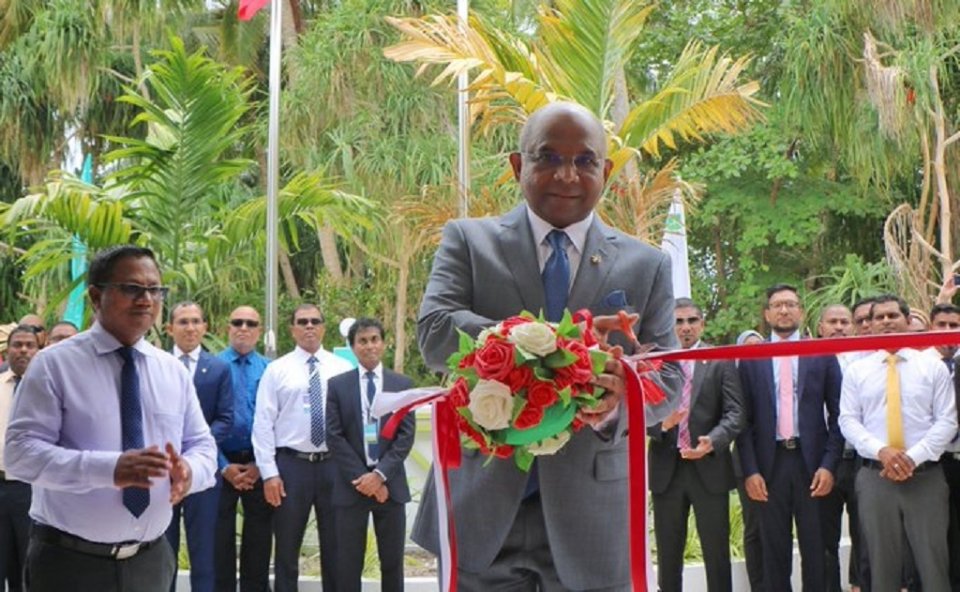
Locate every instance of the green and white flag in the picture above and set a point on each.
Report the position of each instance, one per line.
(675, 245)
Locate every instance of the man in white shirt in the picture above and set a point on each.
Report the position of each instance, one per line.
(290, 444)
(897, 408)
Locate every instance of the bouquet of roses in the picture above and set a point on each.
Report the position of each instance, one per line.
(520, 384)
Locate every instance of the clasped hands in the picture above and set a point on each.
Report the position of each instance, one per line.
(372, 485)
(242, 476)
(139, 466)
(897, 464)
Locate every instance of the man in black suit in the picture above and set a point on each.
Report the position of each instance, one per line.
(690, 463)
(371, 478)
(211, 378)
(946, 317)
(789, 450)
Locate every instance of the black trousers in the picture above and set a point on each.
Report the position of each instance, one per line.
(951, 472)
(831, 525)
(14, 532)
(256, 540)
(308, 485)
(390, 527)
(752, 545)
(670, 512)
(51, 568)
(788, 489)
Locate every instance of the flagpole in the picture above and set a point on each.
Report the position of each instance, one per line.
(463, 122)
(273, 172)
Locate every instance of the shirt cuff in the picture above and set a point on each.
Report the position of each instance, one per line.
(382, 476)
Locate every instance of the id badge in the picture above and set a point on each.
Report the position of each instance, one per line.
(370, 435)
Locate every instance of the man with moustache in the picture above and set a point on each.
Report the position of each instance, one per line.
(562, 526)
(861, 316)
(293, 455)
(87, 427)
(690, 464)
(22, 345)
(241, 477)
(898, 410)
(836, 320)
(211, 379)
(789, 451)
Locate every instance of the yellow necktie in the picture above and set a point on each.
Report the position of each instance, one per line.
(894, 414)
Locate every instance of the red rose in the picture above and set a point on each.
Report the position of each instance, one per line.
(494, 360)
(459, 393)
(542, 394)
(501, 451)
(467, 360)
(510, 323)
(581, 370)
(519, 378)
(577, 424)
(529, 417)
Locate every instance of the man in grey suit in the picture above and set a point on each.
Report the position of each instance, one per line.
(563, 526)
(690, 462)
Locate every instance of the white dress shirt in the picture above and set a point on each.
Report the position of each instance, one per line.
(8, 382)
(365, 403)
(927, 404)
(576, 232)
(193, 358)
(282, 416)
(64, 435)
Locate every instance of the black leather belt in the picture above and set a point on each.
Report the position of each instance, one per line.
(951, 456)
(789, 443)
(875, 464)
(848, 454)
(307, 456)
(119, 551)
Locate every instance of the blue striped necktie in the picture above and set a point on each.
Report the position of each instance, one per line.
(135, 499)
(318, 427)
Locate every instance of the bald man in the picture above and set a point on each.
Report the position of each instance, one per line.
(563, 526)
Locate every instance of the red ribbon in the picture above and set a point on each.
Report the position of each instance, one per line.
(637, 475)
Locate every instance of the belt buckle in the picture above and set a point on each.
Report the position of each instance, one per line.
(314, 457)
(790, 443)
(126, 551)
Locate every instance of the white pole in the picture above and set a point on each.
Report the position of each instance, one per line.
(463, 122)
(273, 173)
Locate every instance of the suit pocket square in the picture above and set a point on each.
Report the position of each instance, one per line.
(615, 299)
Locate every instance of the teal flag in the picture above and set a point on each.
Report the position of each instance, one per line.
(78, 264)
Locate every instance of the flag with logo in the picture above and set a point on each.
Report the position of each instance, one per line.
(675, 245)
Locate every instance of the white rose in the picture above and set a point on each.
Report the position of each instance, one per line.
(491, 405)
(550, 445)
(482, 337)
(536, 338)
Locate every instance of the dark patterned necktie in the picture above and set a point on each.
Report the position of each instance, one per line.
(556, 276)
(373, 448)
(135, 499)
(318, 428)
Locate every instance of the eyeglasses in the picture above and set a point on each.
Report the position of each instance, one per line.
(551, 161)
(312, 321)
(787, 304)
(250, 323)
(34, 328)
(135, 291)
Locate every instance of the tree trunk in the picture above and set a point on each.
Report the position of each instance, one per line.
(400, 307)
(328, 250)
(289, 279)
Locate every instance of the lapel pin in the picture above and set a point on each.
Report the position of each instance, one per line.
(203, 370)
(595, 259)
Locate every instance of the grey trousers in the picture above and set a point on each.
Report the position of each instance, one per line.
(918, 508)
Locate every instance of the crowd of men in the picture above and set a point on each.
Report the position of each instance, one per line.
(875, 431)
(208, 432)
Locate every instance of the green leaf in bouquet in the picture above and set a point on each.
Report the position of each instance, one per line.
(588, 400)
(526, 314)
(518, 404)
(542, 374)
(565, 395)
(467, 343)
(523, 458)
(567, 328)
(468, 443)
(598, 359)
(560, 359)
(522, 356)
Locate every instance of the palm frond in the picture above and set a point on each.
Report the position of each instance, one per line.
(703, 95)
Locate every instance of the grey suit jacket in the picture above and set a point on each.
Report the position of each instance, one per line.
(484, 271)
(717, 410)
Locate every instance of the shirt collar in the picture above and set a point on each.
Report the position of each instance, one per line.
(576, 232)
(105, 343)
(378, 372)
(8, 376)
(304, 355)
(795, 336)
(194, 355)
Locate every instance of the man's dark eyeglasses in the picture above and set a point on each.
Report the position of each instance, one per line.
(584, 163)
(250, 323)
(313, 321)
(34, 328)
(135, 291)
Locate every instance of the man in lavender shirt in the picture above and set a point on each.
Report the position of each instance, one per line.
(108, 430)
